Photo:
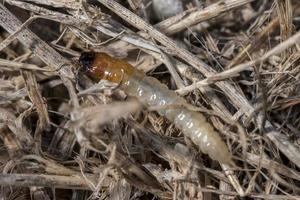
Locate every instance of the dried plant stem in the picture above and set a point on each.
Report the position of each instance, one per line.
(283, 143)
(38, 101)
(9, 22)
(145, 153)
(244, 66)
(12, 36)
(9, 64)
(59, 3)
(179, 22)
(189, 18)
(255, 43)
(51, 181)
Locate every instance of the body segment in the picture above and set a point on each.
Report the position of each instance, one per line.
(152, 93)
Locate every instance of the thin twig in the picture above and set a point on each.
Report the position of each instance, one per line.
(51, 181)
(232, 72)
(41, 49)
(9, 64)
(189, 18)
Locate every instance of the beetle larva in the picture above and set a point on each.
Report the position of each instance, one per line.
(152, 93)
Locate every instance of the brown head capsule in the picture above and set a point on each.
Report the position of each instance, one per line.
(102, 66)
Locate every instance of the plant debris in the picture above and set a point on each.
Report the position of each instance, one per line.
(63, 136)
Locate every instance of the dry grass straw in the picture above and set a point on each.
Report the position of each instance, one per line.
(63, 136)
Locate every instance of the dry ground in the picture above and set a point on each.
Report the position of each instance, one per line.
(64, 136)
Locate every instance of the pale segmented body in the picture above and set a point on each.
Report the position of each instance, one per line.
(193, 124)
(152, 93)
